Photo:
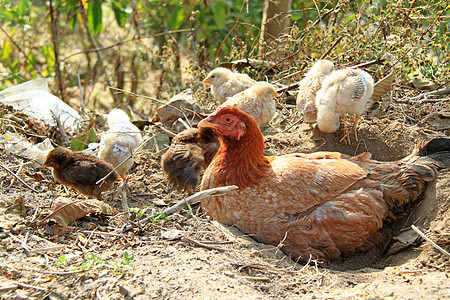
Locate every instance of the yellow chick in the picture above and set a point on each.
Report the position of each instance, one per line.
(308, 87)
(257, 101)
(343, 91)
(119, 142)
(226, 83)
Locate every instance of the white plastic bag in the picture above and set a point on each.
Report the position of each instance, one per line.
(33, 99)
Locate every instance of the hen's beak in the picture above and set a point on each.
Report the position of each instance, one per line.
(207, 123)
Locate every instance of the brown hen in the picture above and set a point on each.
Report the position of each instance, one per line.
(81, 171)
(323, 204)
(189, 154)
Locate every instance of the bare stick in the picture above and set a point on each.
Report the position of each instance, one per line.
(443, 91)
(366, 64)
(185, 202)
(123, 195)
(54, 29)
(414, 227)
(27, 286)
(61, 128)
(167, 132)
(18, 178)
(186, 125)
(332, 47)
(99, 53)
(8, 288)
(197, 243)
(59, 247)
(20, 242)
(25, 55)
(17, 173)
(219, 191)
(103, 233)
(43, 272)
(81, 92)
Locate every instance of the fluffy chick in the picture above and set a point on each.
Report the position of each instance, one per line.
(308, 87)
(189, 154)
(257, 101)
(343, 91)
(80, 171)
(226, 83)
(119, 142)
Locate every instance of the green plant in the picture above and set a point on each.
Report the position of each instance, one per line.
(62, 261)
(95, 262)
(139, 212)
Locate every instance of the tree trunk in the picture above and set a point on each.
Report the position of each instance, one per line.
(275, 19)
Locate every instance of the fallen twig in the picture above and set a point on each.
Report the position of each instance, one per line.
(197, 243)
(17, 173)
(253, 278)
(43, 272)
(23, 286)
(18, 178)
(366, 64)
(416, 229)
(24, 246)
(443, 91)
(8, 288)
(332, 47)
(219, 191)
(61, 128)
(102, 233)
(59, 247)
(185, 202)
(167, 132)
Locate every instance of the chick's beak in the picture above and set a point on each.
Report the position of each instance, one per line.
(275, 94)
(206, 80)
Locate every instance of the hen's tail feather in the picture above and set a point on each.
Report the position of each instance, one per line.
(422, 167)
(436, 145)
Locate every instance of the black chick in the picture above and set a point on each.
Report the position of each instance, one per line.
(189, 154)
(80, 171)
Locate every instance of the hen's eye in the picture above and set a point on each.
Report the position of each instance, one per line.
(228, 119)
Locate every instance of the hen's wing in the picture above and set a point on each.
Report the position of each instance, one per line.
(299, 181)
(301, 199)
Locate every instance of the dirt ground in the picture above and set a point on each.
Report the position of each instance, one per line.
(188, 256)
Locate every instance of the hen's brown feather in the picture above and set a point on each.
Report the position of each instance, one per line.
(322, 204)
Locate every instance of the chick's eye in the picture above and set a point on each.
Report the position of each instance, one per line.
(228, 119)
(213, 76)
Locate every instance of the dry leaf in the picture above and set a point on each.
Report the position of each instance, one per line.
(383, 86)
(67, 210)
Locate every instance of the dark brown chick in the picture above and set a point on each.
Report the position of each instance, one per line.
(80, 171)
(189, 154)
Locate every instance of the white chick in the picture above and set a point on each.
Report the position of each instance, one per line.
(119, 142)
(257, 101)
(226, 83)
(343, 91)
(308, 87)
